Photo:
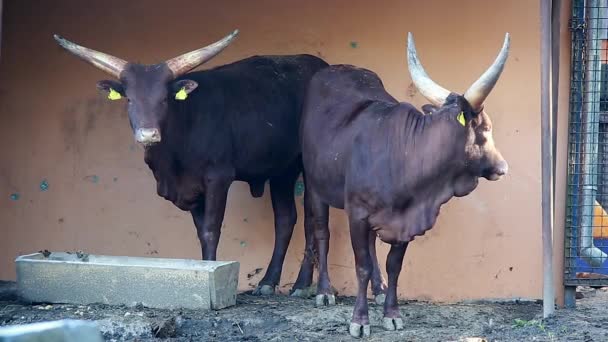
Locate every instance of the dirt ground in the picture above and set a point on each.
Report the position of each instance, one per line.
(281, 318)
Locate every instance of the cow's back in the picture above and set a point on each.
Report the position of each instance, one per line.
(251, 108)
(337, 108)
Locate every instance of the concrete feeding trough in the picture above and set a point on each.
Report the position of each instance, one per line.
(154, 282)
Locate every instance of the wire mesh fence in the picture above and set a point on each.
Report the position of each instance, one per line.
(587, 200)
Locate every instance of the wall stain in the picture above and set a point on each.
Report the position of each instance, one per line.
(254, 273)
(44, 185)
(136, 234)
(411, 90)
(93, 109)
(91, 178)
(79, 119)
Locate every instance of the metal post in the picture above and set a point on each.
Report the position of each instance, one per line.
(570, 297)
(547, 161)
(555, 48)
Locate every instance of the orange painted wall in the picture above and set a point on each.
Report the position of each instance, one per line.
(55, 126)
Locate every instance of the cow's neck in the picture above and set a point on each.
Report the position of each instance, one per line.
(438, 171)
(450, 165)
(166, 157)
(435, 172)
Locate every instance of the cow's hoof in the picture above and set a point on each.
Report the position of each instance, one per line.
(392, 323)
(380, 298)
(325, 299)
(264, 290)
(358, 330)
(302, 293)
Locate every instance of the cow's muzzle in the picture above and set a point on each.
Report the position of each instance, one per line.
(147, 136)
(498, 171)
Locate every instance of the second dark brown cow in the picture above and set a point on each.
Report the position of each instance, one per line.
(390, 166)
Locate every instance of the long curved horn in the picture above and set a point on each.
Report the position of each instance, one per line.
(188, 61)
(478, 91)
(110, 64)
(433, 92)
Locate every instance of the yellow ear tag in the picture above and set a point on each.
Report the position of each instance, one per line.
(460, 118)
(181, 94)
(114, 95)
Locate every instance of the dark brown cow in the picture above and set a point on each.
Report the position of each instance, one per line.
(389, 165)
(202, 130)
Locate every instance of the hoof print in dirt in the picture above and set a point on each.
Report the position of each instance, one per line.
(325, 300)
(264, 290)
(392, 323)
(166, 328)
(358, 330)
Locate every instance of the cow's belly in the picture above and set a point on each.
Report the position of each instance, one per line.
(266, 158)
(265, 166)
(324, 169)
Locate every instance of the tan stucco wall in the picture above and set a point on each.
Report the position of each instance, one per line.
(55, 126)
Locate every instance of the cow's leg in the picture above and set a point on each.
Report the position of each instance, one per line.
(392, 317)
(359, 236)
(304, 280)
(208, 217)
(378, 283)
(320, 222)
(285, 216)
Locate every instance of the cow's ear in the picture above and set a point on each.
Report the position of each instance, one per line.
(182, 88)
(114, 89)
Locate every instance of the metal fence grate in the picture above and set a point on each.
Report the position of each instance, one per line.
(587, 195)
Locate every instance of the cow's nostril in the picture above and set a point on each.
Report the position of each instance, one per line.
(502, 168)
(147, 135)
